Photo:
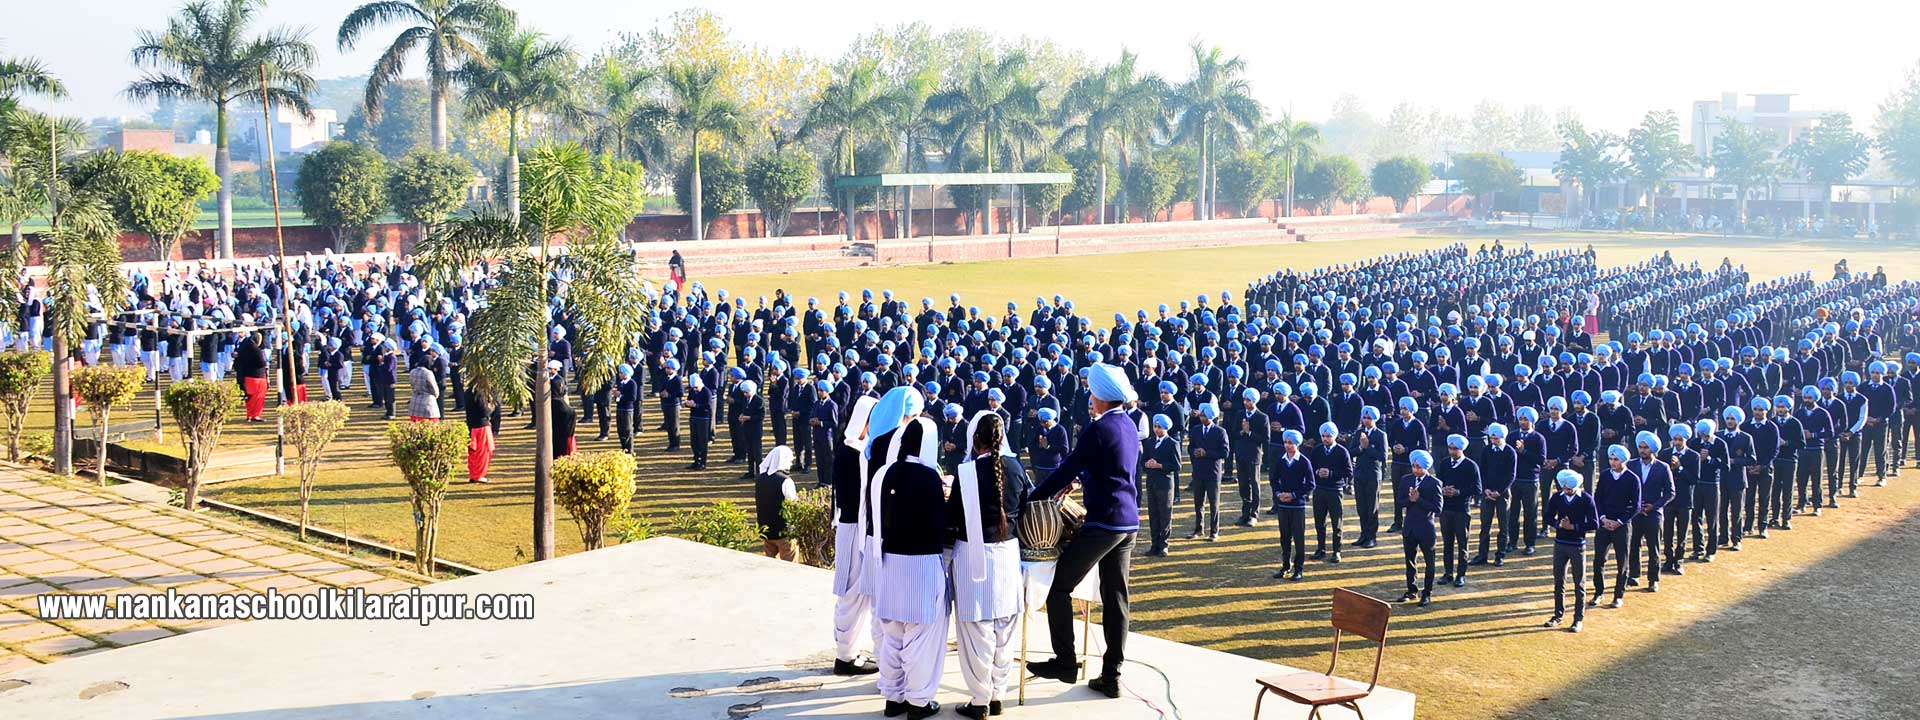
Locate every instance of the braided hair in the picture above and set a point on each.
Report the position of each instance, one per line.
(987, 438)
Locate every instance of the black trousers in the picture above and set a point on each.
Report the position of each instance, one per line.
(1366, 506)
(1453, 536)
(1807, 479)
(1704, 519)
(1159, 509)
(779, 422)
(1293, 537)
(1839, 466)
(624, 423)
(670, 416)
(1525, 507)
(383, 396)
(1328, 508)
(1490, 512)
(1246, 472)
(1873, 443)
(702, 437)
(824, 468)
(1673, 530)
(1615, 540)
(1732, 525)
(1570, 562)
(1423, 546)
(1785, 469)
(1646, 531)
(1206, 505)
(802, 444)
(1112, 554)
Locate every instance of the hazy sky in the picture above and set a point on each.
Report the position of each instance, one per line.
(1445, 54)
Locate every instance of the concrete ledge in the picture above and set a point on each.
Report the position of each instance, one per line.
(663, 630)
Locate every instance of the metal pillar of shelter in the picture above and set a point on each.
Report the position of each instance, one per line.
(933, 181)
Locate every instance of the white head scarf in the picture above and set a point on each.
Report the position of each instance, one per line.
(967, 485)
(778, 460)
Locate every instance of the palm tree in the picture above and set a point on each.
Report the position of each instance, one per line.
(448, 28)
(1829, 154)
(992, 107)
(697, 105)
(20, 194)
(520, 72)
(1215, 105)
(207, 54)
(1108, 105)
(1294, 142)
(1656, 153)
(1743, 157)
(916, 133)
(854, 107)
(566, 194)
(81, 248)
(614, 124)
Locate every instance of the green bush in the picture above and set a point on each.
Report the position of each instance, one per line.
(20, 376)
(200, 409)
(632, 529)
(811, 525)
(723, 524)
(427, 453)
(595, 487)
(37, 444)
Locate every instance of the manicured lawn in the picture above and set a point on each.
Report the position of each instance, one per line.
(1792, 623)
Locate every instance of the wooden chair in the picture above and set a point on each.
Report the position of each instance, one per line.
(1352, 613)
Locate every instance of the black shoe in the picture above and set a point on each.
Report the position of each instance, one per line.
(1108, 685)
(1065, 671)
(1409, 596)
(1282, 573)
(977, 712)
(1296, 575)
(1633, 582)
(1244, 522)
(994, 708)
(1677, 570)
(1478, 560)
(850, 668)
(1460, 581)
(1734, 547)
(1500, 560)
(1575, 627)
(921, 712)
(1832, 504)
(1446, 579)
(1193, 535)
(602, 437)
(1653, 587)
(1426, 598)
(1273, 512)
(1213, 537)
(1319, 554)
(1367, 544)
(1594, 602)
(1528, 551)
(1334, 559)
(894, 709)
(1552, 621)
(1394, 528)
(1160, 551)
(1615, 605)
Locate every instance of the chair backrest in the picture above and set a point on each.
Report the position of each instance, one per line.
(1361, 615)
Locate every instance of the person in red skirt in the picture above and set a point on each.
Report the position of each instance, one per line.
(250, 367)
(482, 414)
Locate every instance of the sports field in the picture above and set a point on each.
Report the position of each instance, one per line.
(1805, 624)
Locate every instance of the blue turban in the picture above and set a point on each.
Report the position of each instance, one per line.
(1208, 411)
(1408, 404)
(1292, 436)
(1647, 438)
(1161, 421)
(1734, 413)
(1680, 431)
(1498, 430)
(1109, 384)
(1419, 458)
(1618, 452)
(1327, 428)
(891, 412)
(1529, 414)
(1046, 414)
(1250, 395)
(1369, 412)
(1703, 428)
(1567, 479)
(1457, 442)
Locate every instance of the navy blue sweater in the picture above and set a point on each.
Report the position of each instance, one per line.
(1103, 461)
(1577, 508)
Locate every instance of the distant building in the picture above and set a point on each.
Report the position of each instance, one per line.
(160, 140)
(292, 134)
(1773, 112)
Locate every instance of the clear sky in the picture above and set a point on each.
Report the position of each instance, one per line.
(1612, 61)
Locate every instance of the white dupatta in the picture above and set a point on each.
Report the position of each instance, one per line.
(967, 484)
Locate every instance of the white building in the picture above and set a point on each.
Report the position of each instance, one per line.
(1773, 112)
(292, 134)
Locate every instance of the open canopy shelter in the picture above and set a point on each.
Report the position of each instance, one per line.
(934, 180)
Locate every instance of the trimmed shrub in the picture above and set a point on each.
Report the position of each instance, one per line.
(309, 427)
(20, 376)
(427, 453)
(200, 409)
(101, 387)
(810, 525)
(594, 487)
(722, 523)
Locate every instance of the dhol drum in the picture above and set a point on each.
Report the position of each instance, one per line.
(1046, 526)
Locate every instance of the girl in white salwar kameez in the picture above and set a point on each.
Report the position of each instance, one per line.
(985, 506)
(910, 578)
(853, 605)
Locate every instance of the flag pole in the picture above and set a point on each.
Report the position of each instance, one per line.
(280, 244)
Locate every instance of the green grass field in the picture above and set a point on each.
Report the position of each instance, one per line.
(1793, 626)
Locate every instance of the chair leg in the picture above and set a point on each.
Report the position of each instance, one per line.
(1257, 700)
(1315, 714)
(1354, 705)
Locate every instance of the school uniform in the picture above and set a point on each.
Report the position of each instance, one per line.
(1419, 525)
(911, 596)
(1369, 464)
(1405, 436)
(1463, 476)
(1207, 447)
(1165, 452)
(1767, 448)
(1328, 492)
(1616, 497)
(987, 585)
(1570, 548)
(1252, 433)
(1293, 476)
(1499, 470)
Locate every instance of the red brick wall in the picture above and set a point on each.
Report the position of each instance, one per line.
(258, 242)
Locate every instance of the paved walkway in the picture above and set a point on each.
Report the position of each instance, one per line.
(64, 537)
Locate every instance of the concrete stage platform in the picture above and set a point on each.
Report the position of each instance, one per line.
(659, 630)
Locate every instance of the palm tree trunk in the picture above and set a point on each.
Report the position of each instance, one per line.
(223, 167)
(543, 443)
(1100, 191)
(513, 165)
(62, 404)
(1200, 201)
(1290, 164)
(699, 227)
(438, 89)
(101, 445)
